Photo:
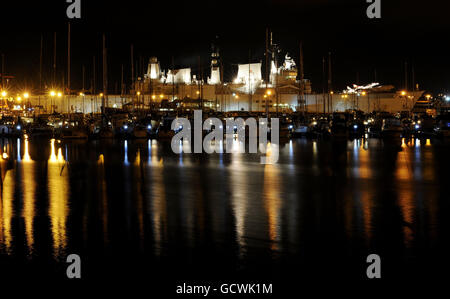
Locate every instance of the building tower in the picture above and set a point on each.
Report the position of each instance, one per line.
(215, 65)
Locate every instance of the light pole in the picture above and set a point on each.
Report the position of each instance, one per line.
(52, 95)
(364, 94)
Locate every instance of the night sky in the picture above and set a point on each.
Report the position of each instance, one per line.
(412, 31)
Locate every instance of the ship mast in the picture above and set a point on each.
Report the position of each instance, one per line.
(105, 80)
(330, 98)
(267, 67)
(301, 99)
(68, 68)
(323, 84)
(40, 73)
(249, 82)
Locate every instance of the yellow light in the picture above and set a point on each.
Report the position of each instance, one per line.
(5, 156)
(4, 93)
(59, 94)
(19, 99)
(138, 93)
(101, 94)
(269, 92)
(26, 95)
(161, 96)
(403, 93)
(363, 93)
(81, 94)
(198, 92)
(52, 93)
(153, 97)
(331, 92)
(428, 96)
(265, 96)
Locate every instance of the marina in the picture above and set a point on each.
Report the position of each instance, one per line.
(138, 204)
(273, 148)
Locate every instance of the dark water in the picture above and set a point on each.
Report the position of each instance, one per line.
(139, 214)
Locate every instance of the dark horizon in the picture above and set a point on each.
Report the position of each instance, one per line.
(409, 31)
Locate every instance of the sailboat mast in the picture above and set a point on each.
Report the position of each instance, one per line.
(132, 66)
(68, 68)
(54, 58)
(267, 69)
(250, 100)
(3, 71)
(330, 98)
(105, 81)
(301, 100)
(323, 84)
(173, 80)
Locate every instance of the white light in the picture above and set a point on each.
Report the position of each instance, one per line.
(18, 127)
(149, 127)
(447, 98)
(355, 127)
(417, 126)
(125, 127)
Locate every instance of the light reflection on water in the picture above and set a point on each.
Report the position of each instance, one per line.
(58, 193)
(29, 189)
(146, 193)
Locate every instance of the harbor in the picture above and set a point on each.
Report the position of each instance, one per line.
(211, 149)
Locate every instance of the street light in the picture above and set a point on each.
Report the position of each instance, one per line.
(403, 93)
(26, 95)
(4, 93)
(59, 94)
(52, 94)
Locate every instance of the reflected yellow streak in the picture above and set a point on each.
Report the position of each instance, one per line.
(137, 161)
(29, 187)
(159, 209)
(403, 172)
(58, 188)
(428, 170)
(239, 201)
(407, 207)
(365, 171)
(272, 203)
(103, 192)
(140, 202)
(367, 206)
(26, 155)
(6, 212)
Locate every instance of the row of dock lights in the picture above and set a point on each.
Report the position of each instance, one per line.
(25, 95)
(55, 93)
